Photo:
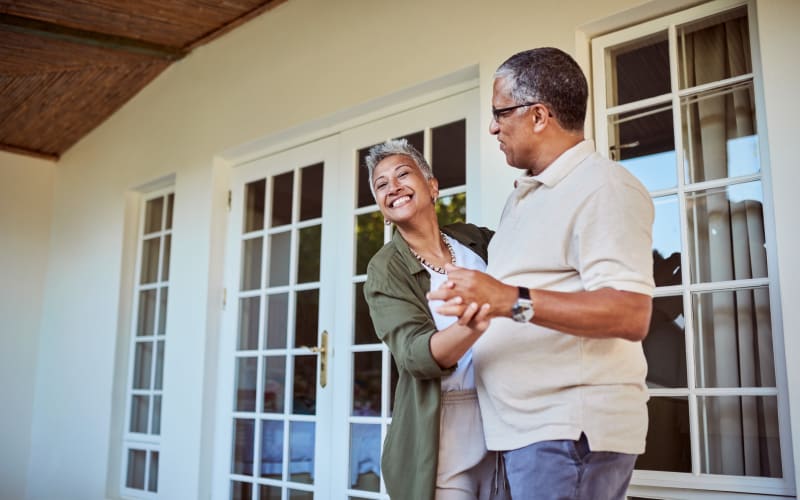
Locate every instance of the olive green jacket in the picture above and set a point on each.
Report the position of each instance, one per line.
(395, 291)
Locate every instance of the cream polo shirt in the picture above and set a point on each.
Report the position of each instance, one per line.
(584, 223)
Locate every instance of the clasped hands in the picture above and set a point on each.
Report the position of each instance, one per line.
(473, 296)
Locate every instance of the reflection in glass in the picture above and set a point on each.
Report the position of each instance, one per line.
(362, 322)
(667, 241)
(364, 191)
(416, 139)
(254, 193)
(272, 449)
(306, 318)
(243, 438)
(449, 154)
(246, 370)
(369, 238)
(733, 338)
(665, 344)
(301, 451)
(640, 70)
(142, 365)
(136, 466)
(279, 258)
(162, 310)
(274, 379)
(249, 311)
(152, 215)
(150, 248)
(668, 446)
(241, 491)
(311, 195)
(300, 495)
(726, 233)
(147, 313)
(140, 409)
(155, 423)
(367, 368)
(644, 142)
(267, 492)
(282, 194)
(304, 386)
(251, 263)
(308, 255)
(739, 436)
(719, 133)
(451, 209)
(165, 263)
(152, 481)
(159, 376)
(170, 205)
(365, 456)
(277, 319)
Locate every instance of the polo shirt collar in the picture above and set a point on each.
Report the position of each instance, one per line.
(560, 168)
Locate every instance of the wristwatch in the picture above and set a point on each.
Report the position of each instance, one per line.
(522, 312)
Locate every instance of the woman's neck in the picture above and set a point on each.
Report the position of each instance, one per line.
(427, 242)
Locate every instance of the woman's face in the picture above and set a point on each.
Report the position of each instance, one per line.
(401, 190)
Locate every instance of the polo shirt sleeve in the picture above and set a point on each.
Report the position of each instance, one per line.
(613, 236)
(401, 320)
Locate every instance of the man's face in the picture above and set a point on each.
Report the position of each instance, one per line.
(513, 128)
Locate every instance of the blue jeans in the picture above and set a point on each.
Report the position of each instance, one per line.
(567, 470)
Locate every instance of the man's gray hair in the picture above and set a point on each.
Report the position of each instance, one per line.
(392, 147)
(549, 76)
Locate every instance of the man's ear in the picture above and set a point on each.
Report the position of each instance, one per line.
(540, 116)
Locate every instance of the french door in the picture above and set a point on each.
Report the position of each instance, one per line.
(306, 386)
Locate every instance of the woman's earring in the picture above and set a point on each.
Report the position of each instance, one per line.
(387, 222)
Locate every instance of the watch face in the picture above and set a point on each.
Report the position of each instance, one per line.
(522, 311)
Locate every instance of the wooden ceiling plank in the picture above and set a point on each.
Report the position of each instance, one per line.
(28, 152)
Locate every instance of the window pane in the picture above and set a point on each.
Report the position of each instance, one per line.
(277, 319)
(640, 70)
(667, 241)
(308, 254)
(416, 139)
(241, 491)
(159, 376)
(150, 248)
(668, 446)
(369, 238)
(665, 344)
(272, 449)
(726, 233)
(254, 193)
(142, 365)
(147, 313)
(136, 466)
(140, 409)
(246, 373)
(165, 263)
(153, 479)
(304, 400)
(162, 310)
(714, 48)
(365, 457)
(306, 318)
(311, 194)
(300, 495)
(155, 424)
(301, 451)
(734, 338)
(279, 258)
(249, 311)
(720, 134)
(644, 142)
(364, 191)
(364, 330)
(152, 215)
(449, 154)
(274, 380)
(739, 436)
(451, 209)
(251, 263)
(267, 492)
(282, 199)
(367, 368)
(170, 205)
(243, 437)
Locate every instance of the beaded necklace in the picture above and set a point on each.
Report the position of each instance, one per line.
(437, 269)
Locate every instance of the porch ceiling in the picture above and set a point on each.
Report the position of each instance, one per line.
(66, 66)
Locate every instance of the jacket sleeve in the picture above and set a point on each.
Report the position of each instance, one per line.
(402, 319)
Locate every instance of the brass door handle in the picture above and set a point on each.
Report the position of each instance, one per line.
(322, 351)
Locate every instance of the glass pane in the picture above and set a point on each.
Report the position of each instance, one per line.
(451, 209)
(304, 395)
(277, 319)
(365, 457)
(644, 142)
(667, 241)
(311, 193)
(668, 446)
(152, 215)
(279, 258)
(282, 199)
(142, 365)
(246, 376)
(167, 253)
(254, 193)
(249, 311)
(155, 424)
(665, 344)
(449, 154)
(267, 492)
(153, 480)
(734, 338)
(272, 449)
(640, 69)
(362, 173)
(243, 437)
(147, 313)
(308, 257)
(170, 204)
(162, 311)
(416, 139)
(300, 495)
(150, 248)
(369, 238)
(251, 263)
(739, 436)
(364, 330)
(306, 318)
(140, 408)
(241, 491)
(301, 451)
(159, 377)
(367, 368)
(136, 466)
(726, 233)
(720, 134)
(714, 48)
(274, 380)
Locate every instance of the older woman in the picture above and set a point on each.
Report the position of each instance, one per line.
(435, 446)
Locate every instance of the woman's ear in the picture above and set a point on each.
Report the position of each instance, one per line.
(434, 184)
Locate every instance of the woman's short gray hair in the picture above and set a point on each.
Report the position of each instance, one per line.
(392, 147)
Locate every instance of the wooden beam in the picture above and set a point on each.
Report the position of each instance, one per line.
(45, 29)
(29, 152)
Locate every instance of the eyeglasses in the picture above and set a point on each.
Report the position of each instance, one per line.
(498, 113)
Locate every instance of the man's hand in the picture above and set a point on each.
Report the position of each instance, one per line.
(464, 286)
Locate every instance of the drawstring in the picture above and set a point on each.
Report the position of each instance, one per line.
(500, 480)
